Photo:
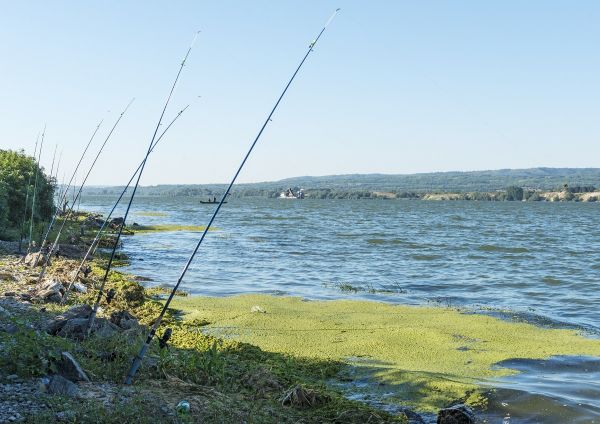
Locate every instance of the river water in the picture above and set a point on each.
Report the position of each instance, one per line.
(534, 261)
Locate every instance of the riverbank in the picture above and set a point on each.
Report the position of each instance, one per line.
(398, 359)
(237, 358)
(223, 380)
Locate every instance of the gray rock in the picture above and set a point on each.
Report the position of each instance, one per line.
(457, 414)
(54, 325)
(74, 328)
(51, 290)
(61, 386)
(32, 258)
(70, 251)
(124, 320)
(80, 288)
(104, 328)
(69, 368)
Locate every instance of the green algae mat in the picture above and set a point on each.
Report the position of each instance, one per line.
(143, 229)
(423, 357)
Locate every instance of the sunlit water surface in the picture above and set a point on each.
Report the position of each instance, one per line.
(534, 261)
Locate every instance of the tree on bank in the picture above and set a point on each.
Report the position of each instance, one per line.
(15, 171)
(514, 193)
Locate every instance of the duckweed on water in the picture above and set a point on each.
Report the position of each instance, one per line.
(430, 356)
(143, 229)
(151, 213)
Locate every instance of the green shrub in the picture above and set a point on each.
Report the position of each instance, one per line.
(514, 193)
(16, 170)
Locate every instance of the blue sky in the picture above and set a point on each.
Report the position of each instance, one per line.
(393, 87)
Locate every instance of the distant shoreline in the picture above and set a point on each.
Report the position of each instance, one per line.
(535, 183)
(491, 196)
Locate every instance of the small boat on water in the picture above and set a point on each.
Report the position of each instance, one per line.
(289, 194)
(211, 201)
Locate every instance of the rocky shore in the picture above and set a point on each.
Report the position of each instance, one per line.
(51, 371)
(240, 359)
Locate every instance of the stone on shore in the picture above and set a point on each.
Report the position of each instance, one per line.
(32, 258)
(61, 386)
(76, 328)
(54, 325)
(71, 251)
(51, 290)
(80, 288)
(124, 320)
(69, 368)
(457, 414)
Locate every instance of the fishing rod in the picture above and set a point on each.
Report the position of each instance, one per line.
(65, 194)
(37, 171)
(55, 177)
(78, 195)
(73, 191)
(114, 248)
(53, 158)
(61, 190)
(92, 249)
(37, 139)
(137, 361)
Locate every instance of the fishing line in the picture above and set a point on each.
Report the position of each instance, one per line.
(92, 249)
(65, 194)
(78, 195)
(37, 171)
(55, 176)
(138, 359)
(53, 158)
(114, 249)
(37, 139)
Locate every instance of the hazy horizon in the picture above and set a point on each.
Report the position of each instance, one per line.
(353, 174)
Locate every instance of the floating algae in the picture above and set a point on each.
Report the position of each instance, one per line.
(503, 249)
(142, 229)
(551, 281)
(151, 213)
(427, 356)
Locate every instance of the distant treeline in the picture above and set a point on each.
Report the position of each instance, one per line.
(476, 185)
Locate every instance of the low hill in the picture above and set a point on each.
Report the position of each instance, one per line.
(362, 185)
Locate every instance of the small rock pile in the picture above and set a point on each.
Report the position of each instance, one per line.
(73, 323)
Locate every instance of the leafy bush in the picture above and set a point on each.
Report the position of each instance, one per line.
(16, 170)
(514, 193)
